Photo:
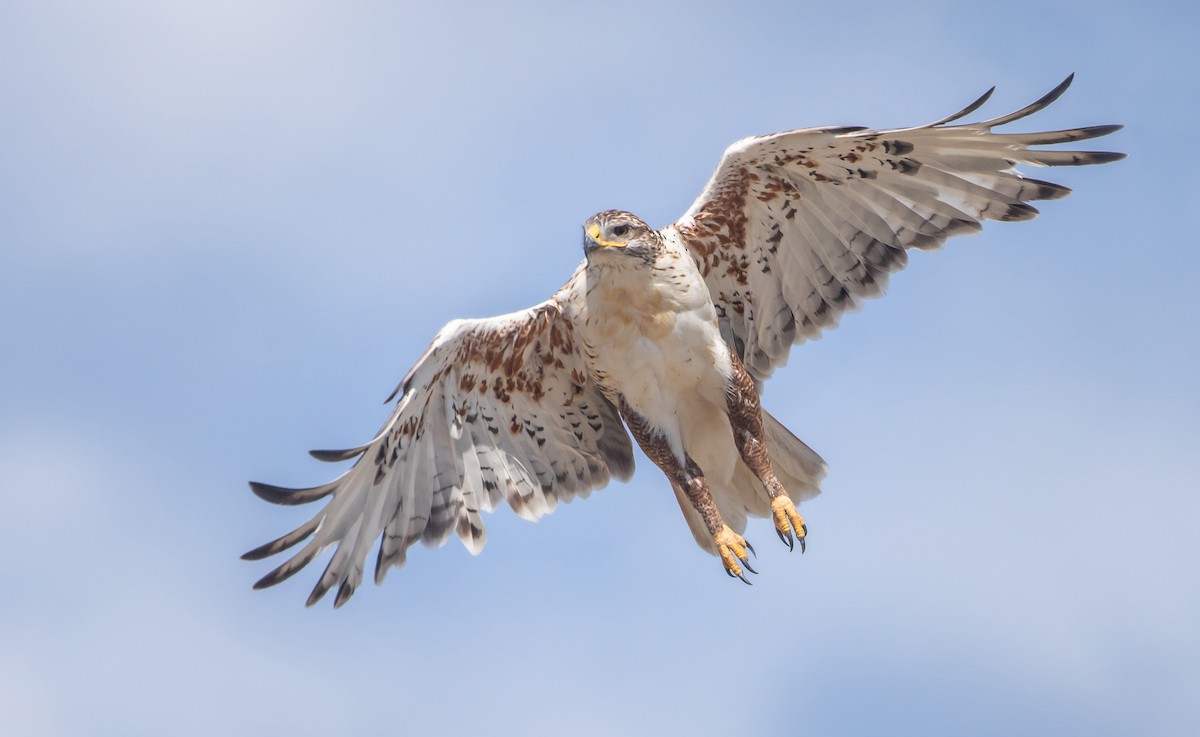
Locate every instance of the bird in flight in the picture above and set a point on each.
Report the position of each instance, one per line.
(666, 335)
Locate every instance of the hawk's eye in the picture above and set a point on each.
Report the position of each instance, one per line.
(620, 230)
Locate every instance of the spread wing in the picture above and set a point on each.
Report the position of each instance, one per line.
(794, 228)
(500, 409)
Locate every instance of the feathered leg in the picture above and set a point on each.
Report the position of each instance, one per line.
(731, 547)
(745, 416)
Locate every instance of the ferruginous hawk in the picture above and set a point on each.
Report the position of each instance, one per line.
(666, 333)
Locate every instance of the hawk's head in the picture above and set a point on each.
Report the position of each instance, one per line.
(620, 233)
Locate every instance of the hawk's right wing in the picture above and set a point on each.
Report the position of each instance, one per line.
(496, 409)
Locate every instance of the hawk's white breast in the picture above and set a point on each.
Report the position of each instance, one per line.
(652, 337)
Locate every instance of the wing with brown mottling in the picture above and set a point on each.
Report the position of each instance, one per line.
(500, 409)
(795, 228)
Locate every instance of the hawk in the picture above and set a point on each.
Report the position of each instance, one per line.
(665, 335)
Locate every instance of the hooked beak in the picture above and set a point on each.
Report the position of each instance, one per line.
(593, 242)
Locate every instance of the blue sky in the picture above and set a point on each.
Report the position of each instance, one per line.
(227, 229)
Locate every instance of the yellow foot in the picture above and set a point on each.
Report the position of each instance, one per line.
(732, 548)
(786, 518)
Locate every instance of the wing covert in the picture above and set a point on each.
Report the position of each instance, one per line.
(795, 228)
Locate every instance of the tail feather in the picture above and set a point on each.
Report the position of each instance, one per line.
(695, 521)
(797, 466)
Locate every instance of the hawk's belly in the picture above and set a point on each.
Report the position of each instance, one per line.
(655, 369)
(671, 367)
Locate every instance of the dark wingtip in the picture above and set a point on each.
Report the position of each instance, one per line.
(1089, 158)
(274, 577)
(1032, 108)
(335, 456)
(290, 497)
(1041, 190)
(317, 594)
(1018, 212)
(266, 492)
(1057, 92)
(270, 493)
(1097, 131)
(262, 551)
(345, 591)
(965, 111)
(303, 532)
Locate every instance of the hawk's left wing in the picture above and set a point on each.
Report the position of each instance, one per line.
(794, 228)
(497, 410)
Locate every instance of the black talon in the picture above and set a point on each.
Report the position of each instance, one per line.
(802, 546)
(746, 563)
(787, 539)
(750, 547)
(744, 579)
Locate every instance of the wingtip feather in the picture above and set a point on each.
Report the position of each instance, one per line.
(1096, 131)
(1017, 212)
(335, 456)
(345, 591)
(1031, 108)
(965, 111)
(1071, 158)
(290, 497)
(283, 572)
(280, 544)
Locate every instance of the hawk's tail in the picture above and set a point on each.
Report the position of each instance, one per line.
(797, 466)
